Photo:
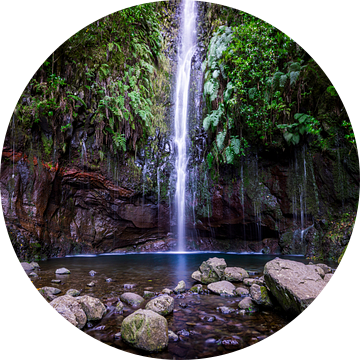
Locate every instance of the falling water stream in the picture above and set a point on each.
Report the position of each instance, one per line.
(186, 50)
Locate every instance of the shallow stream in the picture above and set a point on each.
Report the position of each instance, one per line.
(208, 332)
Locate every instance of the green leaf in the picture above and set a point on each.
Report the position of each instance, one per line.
(252, 93)
(295, 66)
(288, 136)
(229, 154)
(210, 159)
(295, 138)
(207, 122)
(220, 139)
(235, 144)
(293, 77)
(228, 92)
(215, 74)
(302, 129)
(282, 80)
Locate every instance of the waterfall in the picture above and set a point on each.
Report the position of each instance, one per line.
(186, 51)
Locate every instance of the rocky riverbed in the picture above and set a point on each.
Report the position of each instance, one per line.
(155, 314)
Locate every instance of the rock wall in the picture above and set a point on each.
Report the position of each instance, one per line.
(265, 205)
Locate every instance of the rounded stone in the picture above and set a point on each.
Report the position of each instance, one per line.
(62, 271)
(145, 330)
(131, 299)
(162, 305)
(93, 307)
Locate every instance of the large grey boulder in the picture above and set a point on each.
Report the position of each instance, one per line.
(210, 271)
(235, 274)
(224, 288)
(70, 309)
(145, 330)
(294, 284)
(132, 299)
(163, 305)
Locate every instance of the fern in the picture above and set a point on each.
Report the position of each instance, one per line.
(293, 77)
(119, 141)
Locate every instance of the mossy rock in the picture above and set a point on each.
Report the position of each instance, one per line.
(145, 330)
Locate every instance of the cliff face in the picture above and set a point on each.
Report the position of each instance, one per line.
(269, 204)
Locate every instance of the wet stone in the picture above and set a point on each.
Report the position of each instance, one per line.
(183, 332)
(57, 281)
(62, 271)
(225, 310)
(132, 299)
(167, 291)
(129, 286)
(173, 336)
(91, 284)
(148, 294)
(92, 273)
(183, 305)
(109, 280)
(33, 274)
(73, 292)
(230, 343)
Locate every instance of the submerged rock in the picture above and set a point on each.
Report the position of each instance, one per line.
(294, 284)
(173, 336)
(225, 310)
(162, 305)
(145, 330)
(62, 271)
(224, 287)
(132, 299)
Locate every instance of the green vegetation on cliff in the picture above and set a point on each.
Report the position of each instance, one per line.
(262, 89)
(104, 77)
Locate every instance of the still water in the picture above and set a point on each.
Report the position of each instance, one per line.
(207, 331)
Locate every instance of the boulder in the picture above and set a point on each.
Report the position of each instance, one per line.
(235, 274)
(162, 305)
(247, 304)
(242, 291)
(180, 287)
(62, 271)
(50, 290)
(35, 265)
(210, 271)
(260, 295)
(93, 307)
(250, 281)
(26, 266)
(73, 292)
(294, 284)
(70, 309)
(327, 277)
(148, 294)
(196, 275)
(167, 291)
(131, 299)
(224, 288)
(145, 330)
